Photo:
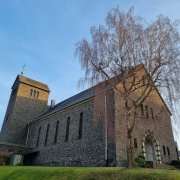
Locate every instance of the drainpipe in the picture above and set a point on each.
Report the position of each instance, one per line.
(105, 123)
(27, 134)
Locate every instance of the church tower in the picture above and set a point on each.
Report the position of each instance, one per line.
(28, 100)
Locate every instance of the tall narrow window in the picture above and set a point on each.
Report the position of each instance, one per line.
(37, 144)
(67, 129)
(164, 150)
(80, 125)
(142, 109)
(34, 93)
(168, 152)
(47, 132)
(31, 92)
(147, 114)
(152, 114)
(56, 132)
(37, 95)
(135, 143)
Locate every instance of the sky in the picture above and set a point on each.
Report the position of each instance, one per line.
(42, 35)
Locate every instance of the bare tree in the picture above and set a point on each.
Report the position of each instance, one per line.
(120, 46)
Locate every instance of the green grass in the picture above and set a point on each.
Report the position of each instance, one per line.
(87, 173)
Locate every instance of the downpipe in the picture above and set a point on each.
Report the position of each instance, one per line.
(105, 123)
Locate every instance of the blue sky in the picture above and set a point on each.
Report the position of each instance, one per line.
(42, 34)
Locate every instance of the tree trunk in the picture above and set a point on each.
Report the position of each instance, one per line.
(130, 151)
(130, 126)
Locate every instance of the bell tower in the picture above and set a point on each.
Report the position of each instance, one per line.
(27, 101)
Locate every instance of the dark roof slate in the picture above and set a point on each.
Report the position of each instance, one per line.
(82, 96)
(71, 101)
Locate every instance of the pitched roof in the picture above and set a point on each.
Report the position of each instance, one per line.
(70, 101)
(89, 93)
(31, 82)
(82, 96)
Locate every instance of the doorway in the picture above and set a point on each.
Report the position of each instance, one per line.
(149, 151)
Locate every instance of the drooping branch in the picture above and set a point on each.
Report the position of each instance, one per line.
(120, 46)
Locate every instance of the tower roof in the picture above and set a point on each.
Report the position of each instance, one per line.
(31, 82)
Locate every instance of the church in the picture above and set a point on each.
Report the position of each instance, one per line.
(87, 129)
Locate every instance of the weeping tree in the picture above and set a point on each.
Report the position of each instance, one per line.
(119, 47)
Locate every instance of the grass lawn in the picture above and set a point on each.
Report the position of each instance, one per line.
(55, 173)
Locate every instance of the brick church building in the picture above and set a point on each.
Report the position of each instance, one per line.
(87, 129)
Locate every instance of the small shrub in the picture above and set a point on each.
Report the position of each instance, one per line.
(140, 160)
(149, 164)
(4, 156)
(175, 162)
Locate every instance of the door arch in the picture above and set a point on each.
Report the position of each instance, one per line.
(150, 148)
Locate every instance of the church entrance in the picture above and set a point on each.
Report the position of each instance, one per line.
(150, 155)
(150, 149)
